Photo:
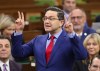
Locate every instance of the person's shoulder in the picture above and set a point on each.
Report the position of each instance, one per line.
(15, 65)
(91, 30)
(41, 36)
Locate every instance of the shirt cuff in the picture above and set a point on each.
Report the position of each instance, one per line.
(71, 35)
(17, 33)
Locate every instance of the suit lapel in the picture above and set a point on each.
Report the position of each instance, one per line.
(12, 67)
(0, 69)
(83, 37)
(44, 40)
(57, 44)
(84, 34)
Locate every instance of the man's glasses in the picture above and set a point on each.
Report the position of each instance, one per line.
(77, 17)
(50, 19)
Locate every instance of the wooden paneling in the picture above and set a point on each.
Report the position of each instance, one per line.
(93, 1)
(90, 6)
(29, 35)
(28, 67)
(16, 2)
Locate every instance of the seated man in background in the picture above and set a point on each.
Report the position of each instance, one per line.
(95, 64)
(5, 52)
(7, 27)
(78, 18)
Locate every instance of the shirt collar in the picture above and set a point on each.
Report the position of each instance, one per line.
(79, 34)
(7, 63)
(56, 35)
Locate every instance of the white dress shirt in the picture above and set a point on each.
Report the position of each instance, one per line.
(79, 35)
(7, 67)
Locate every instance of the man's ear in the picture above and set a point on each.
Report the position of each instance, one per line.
(89, 66)
(62, 22)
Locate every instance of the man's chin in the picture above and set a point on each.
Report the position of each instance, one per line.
(77, 28)
(47, 30)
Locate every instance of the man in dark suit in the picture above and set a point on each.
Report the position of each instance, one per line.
(5, 53)
(54, 51)
(79, 21)
(95, 64)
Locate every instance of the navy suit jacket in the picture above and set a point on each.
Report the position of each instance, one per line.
(87, 30)
(14, 66)
(78, 65)
(64, 52)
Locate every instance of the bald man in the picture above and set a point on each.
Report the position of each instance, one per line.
(78, 18)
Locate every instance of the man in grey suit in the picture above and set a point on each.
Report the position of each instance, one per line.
(5, 52)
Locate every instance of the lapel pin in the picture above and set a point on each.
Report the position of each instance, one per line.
(85, 34)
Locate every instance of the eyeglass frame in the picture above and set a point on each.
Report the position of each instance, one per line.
(78, 17)
(50, 19)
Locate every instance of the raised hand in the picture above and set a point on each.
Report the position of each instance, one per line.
(68, 27)
(20, 22)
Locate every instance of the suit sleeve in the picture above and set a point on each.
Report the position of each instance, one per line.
(79, 50)
(19, 50)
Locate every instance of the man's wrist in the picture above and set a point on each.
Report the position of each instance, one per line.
(71, 35)
(17, 33)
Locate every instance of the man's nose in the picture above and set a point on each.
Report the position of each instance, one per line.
(3, 48)
(76, 20)
(91, 46)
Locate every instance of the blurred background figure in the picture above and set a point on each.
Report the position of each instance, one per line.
(7, 25)
(92, 44)
(5, 52)
(68, 6)
(95, 64)
(78, 18)
(97, 19)
(96, 24)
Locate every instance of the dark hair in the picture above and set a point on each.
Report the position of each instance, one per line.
(60, 13)
(97, 19)
(97, 56)
(5, 37)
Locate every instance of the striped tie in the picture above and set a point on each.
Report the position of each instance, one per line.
(4, 67)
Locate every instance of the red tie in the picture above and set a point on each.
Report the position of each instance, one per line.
(49, 48)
